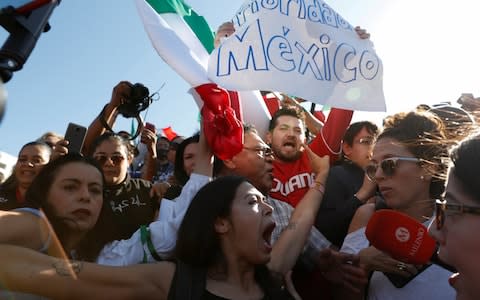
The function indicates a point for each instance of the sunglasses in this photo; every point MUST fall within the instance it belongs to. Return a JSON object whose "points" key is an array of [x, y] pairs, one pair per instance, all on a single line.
{"points": [[263, 151], [115, 159], [388, 166], [444, 209]]}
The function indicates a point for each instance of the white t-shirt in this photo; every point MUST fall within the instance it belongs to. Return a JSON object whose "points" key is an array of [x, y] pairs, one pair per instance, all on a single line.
{"points": [[163, 231], [432, 283]]}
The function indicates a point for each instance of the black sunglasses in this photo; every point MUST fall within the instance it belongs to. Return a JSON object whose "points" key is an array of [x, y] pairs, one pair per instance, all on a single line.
{"points": [[444, 209], [388, 166], [102, 159]]}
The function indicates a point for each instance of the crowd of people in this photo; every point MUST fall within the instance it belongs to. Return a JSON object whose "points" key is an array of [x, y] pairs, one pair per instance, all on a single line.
{"points": [[284, 218]]}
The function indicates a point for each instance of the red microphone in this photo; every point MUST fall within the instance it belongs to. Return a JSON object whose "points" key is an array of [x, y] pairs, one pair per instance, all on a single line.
{"points": [[401, 236]]}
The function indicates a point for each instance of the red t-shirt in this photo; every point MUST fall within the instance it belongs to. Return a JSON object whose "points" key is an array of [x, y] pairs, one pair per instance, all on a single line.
{"points": [[293, 179]]}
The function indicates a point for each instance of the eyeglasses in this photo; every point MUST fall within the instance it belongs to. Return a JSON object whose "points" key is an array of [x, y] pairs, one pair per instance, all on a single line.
{"points": [[388, 166], [263, 151], [443, 209], [368, 141], [115, 159]]}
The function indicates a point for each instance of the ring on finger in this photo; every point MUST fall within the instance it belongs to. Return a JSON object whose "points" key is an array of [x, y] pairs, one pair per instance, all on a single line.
{"points": [[401, 266]]}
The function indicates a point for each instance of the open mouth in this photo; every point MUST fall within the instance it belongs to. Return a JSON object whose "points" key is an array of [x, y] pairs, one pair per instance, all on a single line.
{"points": [[290, 144], [267, 235]]}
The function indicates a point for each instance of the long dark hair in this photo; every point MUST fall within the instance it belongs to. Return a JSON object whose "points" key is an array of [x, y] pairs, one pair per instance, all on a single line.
{"points": [[179, 173], [37, 194], [466, 163], [198, 244]]}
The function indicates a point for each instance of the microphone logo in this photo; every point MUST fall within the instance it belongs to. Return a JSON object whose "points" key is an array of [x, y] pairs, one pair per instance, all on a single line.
{"points": [[402, 234], [418, 241]]}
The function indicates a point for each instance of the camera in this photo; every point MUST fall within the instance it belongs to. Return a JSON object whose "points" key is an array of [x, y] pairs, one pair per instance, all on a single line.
{"points": [[138, 100]]}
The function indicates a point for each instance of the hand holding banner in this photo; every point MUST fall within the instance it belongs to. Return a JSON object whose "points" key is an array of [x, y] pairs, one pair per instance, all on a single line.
{"points": [[302, 48]]}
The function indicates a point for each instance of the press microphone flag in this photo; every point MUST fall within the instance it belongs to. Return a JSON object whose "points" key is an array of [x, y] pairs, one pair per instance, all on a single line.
{"points": [[401, 236]]}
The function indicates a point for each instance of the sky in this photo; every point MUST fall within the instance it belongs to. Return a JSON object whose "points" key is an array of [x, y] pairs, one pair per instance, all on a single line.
{"points": [[430, 52]]}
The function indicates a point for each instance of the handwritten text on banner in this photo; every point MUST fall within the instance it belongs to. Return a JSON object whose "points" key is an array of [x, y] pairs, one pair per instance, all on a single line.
{"points": [[302, 48]]}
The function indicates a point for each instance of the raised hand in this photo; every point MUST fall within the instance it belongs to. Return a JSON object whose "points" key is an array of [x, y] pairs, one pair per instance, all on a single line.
{"points": [[149, 138], [120, 92], [225, 30], [320, 165]]}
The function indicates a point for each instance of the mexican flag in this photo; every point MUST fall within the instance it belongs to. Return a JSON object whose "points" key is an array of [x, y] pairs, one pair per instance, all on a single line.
{"points": [[180, 36], [184, 40]]}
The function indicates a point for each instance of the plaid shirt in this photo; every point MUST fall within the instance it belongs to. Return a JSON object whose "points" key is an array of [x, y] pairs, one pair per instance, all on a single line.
{"points": [[281, 214]]}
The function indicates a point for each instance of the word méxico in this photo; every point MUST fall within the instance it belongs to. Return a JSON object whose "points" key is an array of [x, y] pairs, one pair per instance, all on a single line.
{"points": [[252, 49]]}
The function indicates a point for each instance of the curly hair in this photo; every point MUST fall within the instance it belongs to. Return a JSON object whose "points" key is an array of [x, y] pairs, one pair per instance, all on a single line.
{"points": [[423, 134]]}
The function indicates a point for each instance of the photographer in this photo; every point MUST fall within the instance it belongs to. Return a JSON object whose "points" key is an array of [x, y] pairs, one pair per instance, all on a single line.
{"points": [[109, 114], [128, 100]]}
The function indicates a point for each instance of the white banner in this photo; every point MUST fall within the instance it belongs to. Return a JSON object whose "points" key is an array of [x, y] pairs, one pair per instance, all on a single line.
{"points": [[302, 48]]}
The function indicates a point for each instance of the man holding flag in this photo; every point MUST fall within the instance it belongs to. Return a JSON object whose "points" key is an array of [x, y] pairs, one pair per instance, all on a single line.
{"points": [[184, 40]]}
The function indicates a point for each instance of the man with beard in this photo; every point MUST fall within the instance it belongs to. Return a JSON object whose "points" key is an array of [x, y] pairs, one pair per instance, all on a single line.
{"points": [[292, 172], [164, 166]]}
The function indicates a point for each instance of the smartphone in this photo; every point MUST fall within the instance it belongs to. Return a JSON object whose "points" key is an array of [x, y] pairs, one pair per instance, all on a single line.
{"points": [[75, 135], [151, 127]]}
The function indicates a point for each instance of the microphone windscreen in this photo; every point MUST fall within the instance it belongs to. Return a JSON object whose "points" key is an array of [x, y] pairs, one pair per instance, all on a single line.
{"points": [[401, 236]]}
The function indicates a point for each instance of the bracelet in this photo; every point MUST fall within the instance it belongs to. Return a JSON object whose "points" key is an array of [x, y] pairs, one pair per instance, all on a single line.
{"points": [[145, 238], [319, 187]]}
